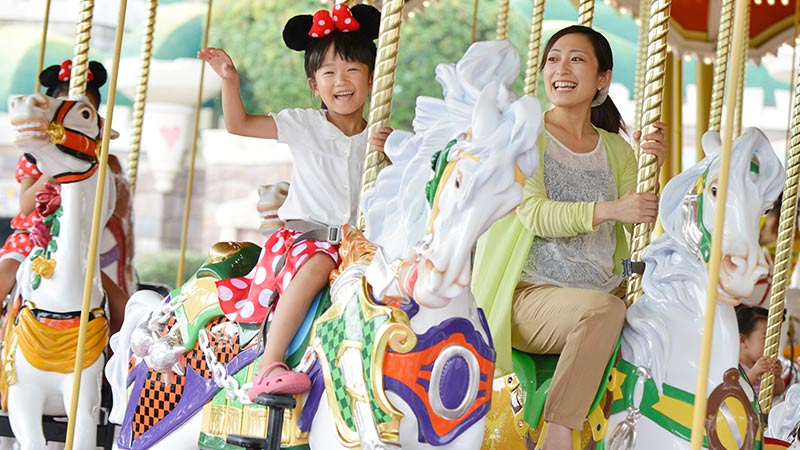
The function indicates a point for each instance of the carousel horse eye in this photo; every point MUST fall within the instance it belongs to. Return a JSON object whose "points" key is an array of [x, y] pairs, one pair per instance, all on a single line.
{"points": [[458, 181], [86, 114], [714, 191]]}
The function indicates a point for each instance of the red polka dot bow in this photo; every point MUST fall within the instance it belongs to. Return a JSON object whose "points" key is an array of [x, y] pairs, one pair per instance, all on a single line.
{"points": [[65, 72], [342, 20]]}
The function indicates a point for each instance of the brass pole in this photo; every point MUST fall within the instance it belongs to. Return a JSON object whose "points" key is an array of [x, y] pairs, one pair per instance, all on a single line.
{"points": [[653, 98], [737, 119], [474, 22], [534, 47], [666, 117], [703, 75], [80, 59], [783, 251], [701, 392], [586, 12], [141, 95], [502, 20], [720, 65], [45, 25], [641, 61], [187, 204], [94, 238], [381, 102], [676, 125]]}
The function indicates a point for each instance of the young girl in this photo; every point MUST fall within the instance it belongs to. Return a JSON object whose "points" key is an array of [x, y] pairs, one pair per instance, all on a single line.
{"points": [[550, 272], [328, 147], [752, 337]]}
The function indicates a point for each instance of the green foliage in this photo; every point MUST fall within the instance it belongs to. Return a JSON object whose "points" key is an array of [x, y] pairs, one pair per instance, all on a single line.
{"points": [[273, 77], [162, 267]]}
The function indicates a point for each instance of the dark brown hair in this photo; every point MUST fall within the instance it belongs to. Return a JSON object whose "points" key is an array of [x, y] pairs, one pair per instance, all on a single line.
{"points": [[748, 317], [605, 116]]}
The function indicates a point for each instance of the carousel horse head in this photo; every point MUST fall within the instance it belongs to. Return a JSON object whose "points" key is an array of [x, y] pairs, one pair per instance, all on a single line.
{"points": [[478, 179], [49, 128], [690, 199]]}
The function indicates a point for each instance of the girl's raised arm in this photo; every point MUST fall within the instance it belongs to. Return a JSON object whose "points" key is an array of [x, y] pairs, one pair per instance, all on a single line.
{"points": [[237, 119]]}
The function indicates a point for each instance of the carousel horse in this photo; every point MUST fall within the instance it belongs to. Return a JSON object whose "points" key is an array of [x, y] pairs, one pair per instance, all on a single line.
{"points": [[41, 336], [663, 333], [398, 352]]}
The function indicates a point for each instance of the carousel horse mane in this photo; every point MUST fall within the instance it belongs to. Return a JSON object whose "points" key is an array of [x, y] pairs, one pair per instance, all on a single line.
{"points": [[396, 212], [675, 278]]}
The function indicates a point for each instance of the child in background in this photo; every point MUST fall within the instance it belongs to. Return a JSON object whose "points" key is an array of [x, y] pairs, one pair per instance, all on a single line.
{"points": [[752, 336], [328, 147]]}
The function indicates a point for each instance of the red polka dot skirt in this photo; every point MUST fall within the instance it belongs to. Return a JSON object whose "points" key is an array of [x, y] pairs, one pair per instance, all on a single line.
{"points": [[247, 299]]}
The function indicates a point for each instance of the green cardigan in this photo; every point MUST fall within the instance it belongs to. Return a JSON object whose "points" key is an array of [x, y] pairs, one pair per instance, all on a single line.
{"points": [[503, 250]]}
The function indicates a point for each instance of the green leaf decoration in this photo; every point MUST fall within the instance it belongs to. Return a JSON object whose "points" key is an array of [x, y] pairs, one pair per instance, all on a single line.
{"points": [[36, 281], [52, 247]]}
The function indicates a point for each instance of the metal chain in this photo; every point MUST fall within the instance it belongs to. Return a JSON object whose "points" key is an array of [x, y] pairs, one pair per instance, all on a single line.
{"points": [[221, 376]]}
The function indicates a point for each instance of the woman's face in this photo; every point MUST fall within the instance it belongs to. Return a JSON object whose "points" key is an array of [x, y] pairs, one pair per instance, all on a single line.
{"points": [[570, 72]]}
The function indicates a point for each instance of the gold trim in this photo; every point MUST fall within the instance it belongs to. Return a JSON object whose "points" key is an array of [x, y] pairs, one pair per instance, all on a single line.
{"points": [[692, 35], [771, 31], [56, 133]]}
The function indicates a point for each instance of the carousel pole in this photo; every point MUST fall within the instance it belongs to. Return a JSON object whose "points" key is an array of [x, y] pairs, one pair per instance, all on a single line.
{"points": [[45, 25], [92, 259], [720, 65], [704, 74], [651, 107], [474, 22], [666, 117], [737, 120], [676, 135], [381, 102], [586, 12], [701, 392], [534, 46], [641, 61], [783, 251], [187, 205], [502, 20], [80, 59], [141, 95]]}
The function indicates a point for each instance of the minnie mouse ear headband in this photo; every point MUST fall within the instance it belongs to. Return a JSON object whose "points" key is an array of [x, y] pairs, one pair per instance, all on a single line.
{"points": [[300, 31], [58, 74]]}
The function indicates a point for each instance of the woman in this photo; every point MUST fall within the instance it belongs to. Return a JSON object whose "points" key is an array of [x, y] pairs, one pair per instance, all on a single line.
{"points": [[548, 276]]}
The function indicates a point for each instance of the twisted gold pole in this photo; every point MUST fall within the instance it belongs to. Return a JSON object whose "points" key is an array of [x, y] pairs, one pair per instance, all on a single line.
{"points": [[80, 59], [783, 251], [141, 95], [651, 106], [94, 237], [737, 120], [676, 130], [586, 12], [534, 46], [45, 25], [720, 65], [381, 102], [641, 61], [502, 20], [474, 22], [187, 204], [701, 391]]}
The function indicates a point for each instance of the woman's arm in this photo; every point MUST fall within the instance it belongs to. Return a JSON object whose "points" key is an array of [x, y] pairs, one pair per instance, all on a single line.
{"points": [[237, 119]]}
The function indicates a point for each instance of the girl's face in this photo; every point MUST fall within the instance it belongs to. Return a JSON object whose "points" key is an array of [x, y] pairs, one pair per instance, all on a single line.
{"points": [[570, 72], [343, 85], [751, 346]]}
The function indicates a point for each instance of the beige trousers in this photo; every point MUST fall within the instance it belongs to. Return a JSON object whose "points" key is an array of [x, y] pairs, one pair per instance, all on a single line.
{"points": [[583, 325]]}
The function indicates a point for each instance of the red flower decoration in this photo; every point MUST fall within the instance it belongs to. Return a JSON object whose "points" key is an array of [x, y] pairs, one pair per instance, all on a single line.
{"points": [[40, 233], [342, 20], [48, 199], [65, 72]]}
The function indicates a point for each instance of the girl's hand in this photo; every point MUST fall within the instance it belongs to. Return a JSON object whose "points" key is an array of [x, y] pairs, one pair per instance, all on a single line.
{"points": [[634, 207], [654, 143], [219, 61], [775, 367], [762, 365], [378, 140]]}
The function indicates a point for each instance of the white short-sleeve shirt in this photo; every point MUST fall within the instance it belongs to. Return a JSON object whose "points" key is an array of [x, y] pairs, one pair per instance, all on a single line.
{"points": [[326, 168]]}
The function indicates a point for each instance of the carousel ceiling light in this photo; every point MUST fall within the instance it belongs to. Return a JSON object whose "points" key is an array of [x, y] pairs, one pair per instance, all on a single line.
{"points": [[706, 60], [411, 15], [426, 3], [623, 11], [687, 57]]}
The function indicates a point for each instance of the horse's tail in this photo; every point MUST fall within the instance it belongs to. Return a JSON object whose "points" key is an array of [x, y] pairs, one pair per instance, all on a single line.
{"points": [[138, 307]]}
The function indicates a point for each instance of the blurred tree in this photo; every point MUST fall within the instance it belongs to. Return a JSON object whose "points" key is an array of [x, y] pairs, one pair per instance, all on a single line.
{"points": [[273, 77]]}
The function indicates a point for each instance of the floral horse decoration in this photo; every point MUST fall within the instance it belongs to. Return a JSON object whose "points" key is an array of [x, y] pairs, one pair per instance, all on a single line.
{"points": [[401, 357]]}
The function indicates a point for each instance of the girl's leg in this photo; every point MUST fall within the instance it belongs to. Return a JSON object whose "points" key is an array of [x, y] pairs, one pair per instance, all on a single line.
{"points": [[8, 275], [582, 325], [293, 306]]}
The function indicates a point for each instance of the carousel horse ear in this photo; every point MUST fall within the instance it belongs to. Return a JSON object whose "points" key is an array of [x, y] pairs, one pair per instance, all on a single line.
{"points": [[712, 144], [486, 116], [295, 33], [369, 18], [99, 74], [114, 133]]}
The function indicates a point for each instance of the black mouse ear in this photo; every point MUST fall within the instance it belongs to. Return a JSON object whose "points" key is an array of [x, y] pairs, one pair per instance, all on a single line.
{"points": [[99, 74], [369, 19], [295, 33], [49, 76]]}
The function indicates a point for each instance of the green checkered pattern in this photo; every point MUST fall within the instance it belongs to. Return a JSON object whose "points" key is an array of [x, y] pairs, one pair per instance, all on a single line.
{"points": [[332, 334]]}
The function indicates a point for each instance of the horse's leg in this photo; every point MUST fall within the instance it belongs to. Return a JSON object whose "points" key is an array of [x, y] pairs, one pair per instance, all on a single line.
{"points": [[25, 407], [88, 405]]}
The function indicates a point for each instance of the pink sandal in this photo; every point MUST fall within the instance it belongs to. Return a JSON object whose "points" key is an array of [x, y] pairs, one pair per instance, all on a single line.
{"points": [[284, 383]]}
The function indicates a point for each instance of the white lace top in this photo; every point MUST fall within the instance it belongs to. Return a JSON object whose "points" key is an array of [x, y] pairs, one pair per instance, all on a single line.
{"points": [[585, 260]]}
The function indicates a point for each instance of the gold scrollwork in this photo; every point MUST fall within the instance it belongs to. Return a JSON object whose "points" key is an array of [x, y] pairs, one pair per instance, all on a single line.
{"points": [[56, 133]]}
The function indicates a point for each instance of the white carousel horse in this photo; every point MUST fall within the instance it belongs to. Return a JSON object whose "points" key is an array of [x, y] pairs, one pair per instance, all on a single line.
{"points": [[663, 331], [424, 379], [38, 361]]}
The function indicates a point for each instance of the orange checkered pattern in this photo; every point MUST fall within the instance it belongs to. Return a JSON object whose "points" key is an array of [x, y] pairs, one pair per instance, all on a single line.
{"points": [[156, 401]]}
